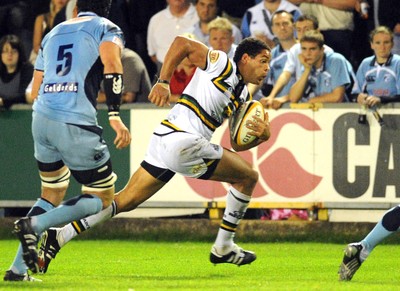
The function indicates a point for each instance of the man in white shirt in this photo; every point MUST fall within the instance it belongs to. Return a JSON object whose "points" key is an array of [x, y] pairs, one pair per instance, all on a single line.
{"points": [[165, 25], [207, 11]]}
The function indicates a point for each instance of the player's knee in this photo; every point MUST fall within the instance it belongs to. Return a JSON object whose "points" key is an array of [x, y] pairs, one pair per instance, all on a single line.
{"points": [[104, 185], [251, 178], [103, 188], [391, 219], [59, 182], [107, 199]]}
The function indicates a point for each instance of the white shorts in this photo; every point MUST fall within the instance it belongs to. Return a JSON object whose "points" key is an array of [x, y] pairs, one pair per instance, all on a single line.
{"points": [[184, 153]]}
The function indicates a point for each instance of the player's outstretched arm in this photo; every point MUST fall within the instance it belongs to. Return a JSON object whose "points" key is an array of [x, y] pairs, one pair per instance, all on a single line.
{"points": [[181, 48]]}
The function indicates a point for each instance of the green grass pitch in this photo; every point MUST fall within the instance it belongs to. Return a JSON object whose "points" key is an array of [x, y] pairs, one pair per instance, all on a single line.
{"points": [[143, 265]]}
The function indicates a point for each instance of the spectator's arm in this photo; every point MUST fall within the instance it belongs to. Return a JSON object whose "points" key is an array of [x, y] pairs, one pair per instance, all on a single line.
{"points": [[336, 96], [37, 33], [128, 97], [154, 59], [281, 82], [385, 99], [297, 90], [338, 4], [253, 88]]}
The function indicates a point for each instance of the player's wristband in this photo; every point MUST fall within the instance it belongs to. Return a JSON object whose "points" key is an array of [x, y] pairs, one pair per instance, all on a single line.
{"points": [[113, 115], [113, 90], [161, 81]]}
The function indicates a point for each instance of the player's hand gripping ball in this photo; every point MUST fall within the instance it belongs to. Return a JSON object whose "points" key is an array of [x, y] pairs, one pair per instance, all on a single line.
{"points": [[237, 123]]}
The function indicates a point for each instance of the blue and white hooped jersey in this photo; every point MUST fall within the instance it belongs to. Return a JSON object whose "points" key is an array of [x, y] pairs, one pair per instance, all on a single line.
{"points": [[211, 96], [378, 80], [278, 61], [69, 57]]}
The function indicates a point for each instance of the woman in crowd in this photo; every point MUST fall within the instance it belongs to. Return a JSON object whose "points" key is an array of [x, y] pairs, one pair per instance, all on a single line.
{"points": [[15, 72], [379, 75], [43, 24]]}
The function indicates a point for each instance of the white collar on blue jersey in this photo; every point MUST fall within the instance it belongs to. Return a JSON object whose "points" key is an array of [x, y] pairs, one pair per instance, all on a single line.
{"points": [[86, 13]]}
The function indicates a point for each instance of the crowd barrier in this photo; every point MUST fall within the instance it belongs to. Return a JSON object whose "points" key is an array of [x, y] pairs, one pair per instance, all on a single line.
{"points": [[319, 157]]}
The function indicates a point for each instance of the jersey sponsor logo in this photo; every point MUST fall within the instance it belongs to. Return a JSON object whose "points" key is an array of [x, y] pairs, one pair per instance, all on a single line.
{"points": [[214, 55], [65, 87]]}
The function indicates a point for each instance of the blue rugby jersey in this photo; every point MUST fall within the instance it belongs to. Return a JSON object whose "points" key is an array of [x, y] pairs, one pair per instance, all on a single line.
{"points": [[333, 73], [379, 80], [69, 57], [278, 60]]}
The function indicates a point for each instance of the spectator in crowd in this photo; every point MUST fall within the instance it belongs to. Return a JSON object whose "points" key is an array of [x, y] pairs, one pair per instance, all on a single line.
{"points": [[164, 26], [323, 76], [180, 78], [207, 10], [356, 253], [221, 36], [16, 18], [65, 13], [257, 19], [378, 77], [43, 24], [137, 83], [15, 72], [283, 28], [375, 13], [303, 24], [335, 18]]}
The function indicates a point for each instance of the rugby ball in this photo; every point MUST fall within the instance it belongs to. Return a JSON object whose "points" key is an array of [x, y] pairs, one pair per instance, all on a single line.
{"points": [[237, 122]]}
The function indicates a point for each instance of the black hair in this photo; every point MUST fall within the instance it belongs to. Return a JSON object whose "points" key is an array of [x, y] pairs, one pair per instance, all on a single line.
{"points": [[100, 7], [279, 12], [309, 17], [15, 43], [250, 46]]}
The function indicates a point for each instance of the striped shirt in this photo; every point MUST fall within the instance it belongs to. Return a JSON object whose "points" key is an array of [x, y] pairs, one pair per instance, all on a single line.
{"points": [[212, 95]]}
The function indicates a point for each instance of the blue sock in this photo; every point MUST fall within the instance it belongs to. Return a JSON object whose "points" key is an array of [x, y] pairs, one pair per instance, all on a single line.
{"points": [[377, 234], [72, 209], [41, 206]]}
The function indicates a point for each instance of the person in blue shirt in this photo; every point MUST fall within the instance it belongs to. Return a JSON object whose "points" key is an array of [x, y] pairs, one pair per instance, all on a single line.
{"points": [[323, 77], [283, 28], [378, 76], [256, 21], [378, 83], [73, 59]]}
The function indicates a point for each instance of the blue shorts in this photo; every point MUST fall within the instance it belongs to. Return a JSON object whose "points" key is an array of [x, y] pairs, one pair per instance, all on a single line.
{"points": [[79, 147]]}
